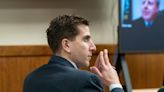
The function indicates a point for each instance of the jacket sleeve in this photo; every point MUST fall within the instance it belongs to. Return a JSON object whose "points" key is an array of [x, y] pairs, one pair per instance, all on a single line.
{"points": [[92, 84]]}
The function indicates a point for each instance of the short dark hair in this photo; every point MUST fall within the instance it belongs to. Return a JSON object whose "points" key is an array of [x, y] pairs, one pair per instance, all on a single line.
{"points": [[61, 27]]}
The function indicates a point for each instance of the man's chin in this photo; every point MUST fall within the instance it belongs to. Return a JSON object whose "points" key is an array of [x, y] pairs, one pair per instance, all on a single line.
{"points": [[146, 18], [84, 65], [87, 64]]}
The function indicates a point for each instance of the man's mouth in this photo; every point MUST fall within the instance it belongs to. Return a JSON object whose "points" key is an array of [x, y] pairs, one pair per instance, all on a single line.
{"points": [[89, 55], [145, 12]]}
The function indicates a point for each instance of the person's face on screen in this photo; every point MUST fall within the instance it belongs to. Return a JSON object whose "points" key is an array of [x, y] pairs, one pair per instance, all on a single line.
{"points": [[82, 47], [149, 9]]}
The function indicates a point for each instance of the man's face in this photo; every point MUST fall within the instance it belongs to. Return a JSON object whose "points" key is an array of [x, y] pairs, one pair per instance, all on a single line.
{"points": [[82, 47], [149, 9]]}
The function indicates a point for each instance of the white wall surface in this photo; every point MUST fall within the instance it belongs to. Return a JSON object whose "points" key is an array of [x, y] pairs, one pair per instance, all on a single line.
{"points": [[23, 22]]}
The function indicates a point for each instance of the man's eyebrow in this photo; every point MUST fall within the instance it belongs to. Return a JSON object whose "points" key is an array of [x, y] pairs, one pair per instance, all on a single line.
{"points": [[87, 37], [143, 2]]}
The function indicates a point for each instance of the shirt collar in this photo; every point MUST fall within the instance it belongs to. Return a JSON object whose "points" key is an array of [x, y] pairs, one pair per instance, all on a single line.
{"points": [[148, 24], [74, 65]]}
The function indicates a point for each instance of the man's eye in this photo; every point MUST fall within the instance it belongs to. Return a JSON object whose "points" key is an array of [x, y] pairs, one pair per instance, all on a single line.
{"points": [[86, 40], [150, 3]]}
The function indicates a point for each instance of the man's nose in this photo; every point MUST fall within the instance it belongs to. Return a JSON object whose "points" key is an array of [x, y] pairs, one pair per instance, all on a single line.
{"points": [[92, 47], [145, 5]]}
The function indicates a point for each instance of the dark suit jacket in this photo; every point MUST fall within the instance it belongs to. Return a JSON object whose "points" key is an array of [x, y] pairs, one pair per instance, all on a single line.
{"points": [[59, 75], [161, 89], [157, 24], [145, 39]]}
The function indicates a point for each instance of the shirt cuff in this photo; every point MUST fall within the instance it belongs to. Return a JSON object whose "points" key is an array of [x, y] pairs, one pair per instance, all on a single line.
{"points": [[112, 86]]}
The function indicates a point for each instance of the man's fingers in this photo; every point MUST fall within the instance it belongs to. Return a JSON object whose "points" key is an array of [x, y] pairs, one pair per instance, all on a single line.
{"points": [[97, 60], [101, 62], [106, 58], [96, 71]]}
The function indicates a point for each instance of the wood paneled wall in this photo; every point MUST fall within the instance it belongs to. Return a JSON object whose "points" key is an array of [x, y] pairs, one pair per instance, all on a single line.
{"points": [[146, 70], [16, 62]]}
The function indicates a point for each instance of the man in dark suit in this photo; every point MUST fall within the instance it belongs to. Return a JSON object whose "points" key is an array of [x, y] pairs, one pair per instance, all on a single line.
{"points": [[151, 19], [148, 30], [70, 40]]}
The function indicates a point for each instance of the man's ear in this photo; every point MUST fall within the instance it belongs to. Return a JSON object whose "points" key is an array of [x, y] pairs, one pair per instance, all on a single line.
{"points": [[66, 45]]}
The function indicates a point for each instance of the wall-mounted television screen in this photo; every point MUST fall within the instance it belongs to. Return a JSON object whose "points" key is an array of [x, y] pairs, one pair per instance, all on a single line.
{"points": [[141, 26]]}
